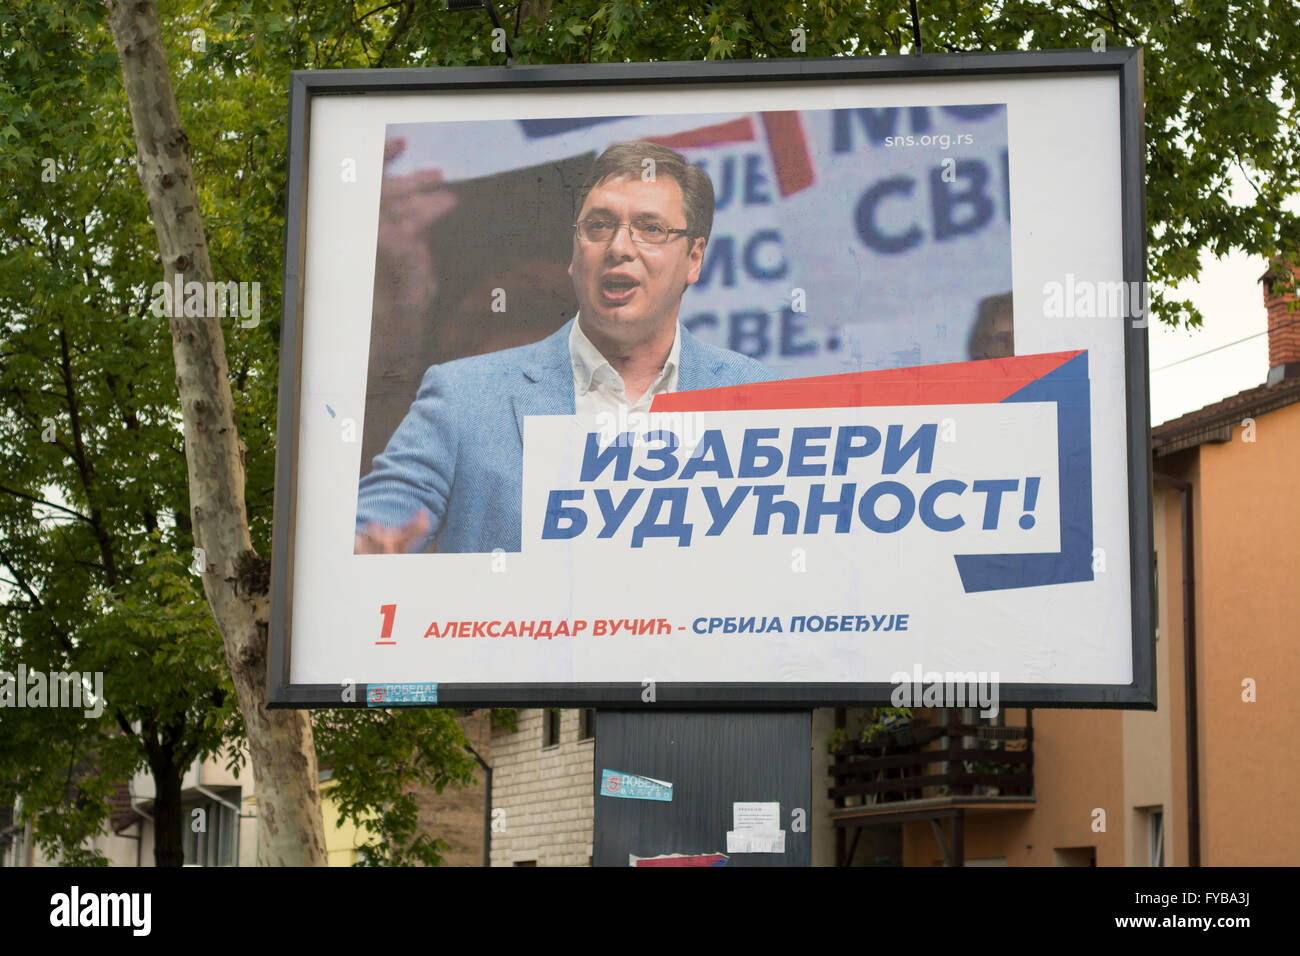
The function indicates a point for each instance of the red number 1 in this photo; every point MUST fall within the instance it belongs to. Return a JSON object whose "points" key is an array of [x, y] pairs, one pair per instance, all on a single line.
{"points": [[389, 611]]}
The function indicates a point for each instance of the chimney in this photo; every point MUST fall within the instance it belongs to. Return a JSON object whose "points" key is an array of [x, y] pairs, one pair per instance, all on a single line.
{"points": [[1283, 326]]}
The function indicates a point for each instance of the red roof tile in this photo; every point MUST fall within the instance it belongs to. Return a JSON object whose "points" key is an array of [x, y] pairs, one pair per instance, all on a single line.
{"points": [[1214, 423]]}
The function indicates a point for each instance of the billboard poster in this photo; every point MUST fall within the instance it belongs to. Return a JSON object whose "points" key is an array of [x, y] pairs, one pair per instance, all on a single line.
{"points": [[778, 390]]}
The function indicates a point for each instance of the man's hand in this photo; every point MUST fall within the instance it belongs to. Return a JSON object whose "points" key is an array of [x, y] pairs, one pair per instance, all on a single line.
{"points": [[406, 275], [376, 538]]}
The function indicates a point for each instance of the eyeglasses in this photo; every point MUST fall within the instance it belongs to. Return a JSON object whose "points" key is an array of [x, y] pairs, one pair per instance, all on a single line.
{"points": [[647, 231]]}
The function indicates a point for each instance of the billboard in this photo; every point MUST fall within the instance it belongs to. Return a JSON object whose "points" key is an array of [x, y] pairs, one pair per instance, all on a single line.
{"points": [[715, 384]]}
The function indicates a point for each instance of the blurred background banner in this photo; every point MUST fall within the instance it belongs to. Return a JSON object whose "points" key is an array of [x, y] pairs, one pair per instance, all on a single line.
{"points": [[843, 240]]}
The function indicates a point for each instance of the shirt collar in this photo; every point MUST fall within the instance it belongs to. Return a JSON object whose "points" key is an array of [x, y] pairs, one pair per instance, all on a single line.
{"points": [[588, 361]]}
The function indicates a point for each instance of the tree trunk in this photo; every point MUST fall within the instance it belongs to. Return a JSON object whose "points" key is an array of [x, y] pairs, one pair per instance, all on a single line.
{"points": [[290, 830], [168, 848], [528, 9]]}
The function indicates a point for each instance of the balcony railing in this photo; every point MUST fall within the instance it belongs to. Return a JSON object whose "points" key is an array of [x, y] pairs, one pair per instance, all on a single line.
{"points": [[950, 760]]}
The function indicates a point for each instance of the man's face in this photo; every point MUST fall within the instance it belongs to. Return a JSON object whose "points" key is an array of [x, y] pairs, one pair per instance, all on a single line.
{"points": [[994, 335], [628, 290]]}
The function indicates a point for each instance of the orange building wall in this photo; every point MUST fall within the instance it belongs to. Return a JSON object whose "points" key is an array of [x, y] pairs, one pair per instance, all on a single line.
{"points": [[1169, 647], [1248, 589], [1078, 761], [1246, 503]]}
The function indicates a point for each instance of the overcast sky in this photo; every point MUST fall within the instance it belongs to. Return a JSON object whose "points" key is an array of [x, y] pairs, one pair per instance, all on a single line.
{"points": [[1209, 367], [1231, 297]]}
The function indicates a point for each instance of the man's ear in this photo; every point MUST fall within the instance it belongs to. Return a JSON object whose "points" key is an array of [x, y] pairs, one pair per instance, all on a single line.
{"points": [[695, 259]]}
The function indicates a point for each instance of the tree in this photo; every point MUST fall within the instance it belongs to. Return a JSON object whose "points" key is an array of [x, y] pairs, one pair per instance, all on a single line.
{"points": [[235, 577], [399, 751], [91, 486], [76, 278]]}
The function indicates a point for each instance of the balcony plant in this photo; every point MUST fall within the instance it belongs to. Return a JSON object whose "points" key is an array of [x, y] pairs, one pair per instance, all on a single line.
{"points": [[888, 725]]}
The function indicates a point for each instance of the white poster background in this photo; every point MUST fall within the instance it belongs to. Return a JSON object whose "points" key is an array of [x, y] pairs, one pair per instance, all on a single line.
{"points": [[1064, 154]]}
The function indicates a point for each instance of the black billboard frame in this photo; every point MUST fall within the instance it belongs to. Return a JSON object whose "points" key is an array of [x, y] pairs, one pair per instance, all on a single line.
{"points": [[1123, 63]]}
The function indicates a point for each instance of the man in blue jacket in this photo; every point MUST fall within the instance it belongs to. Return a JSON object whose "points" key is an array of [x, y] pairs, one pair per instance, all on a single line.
{"points": [[453, 469]]}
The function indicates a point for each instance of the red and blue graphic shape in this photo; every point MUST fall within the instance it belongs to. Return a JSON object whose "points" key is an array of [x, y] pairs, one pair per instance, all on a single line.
{"points": [[683, 859], [782, 131], [1059, 378]]}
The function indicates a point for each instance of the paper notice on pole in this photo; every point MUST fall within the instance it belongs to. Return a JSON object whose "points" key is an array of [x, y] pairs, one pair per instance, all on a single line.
{"points": [[756, 828], [755, 842], [756, 816]]}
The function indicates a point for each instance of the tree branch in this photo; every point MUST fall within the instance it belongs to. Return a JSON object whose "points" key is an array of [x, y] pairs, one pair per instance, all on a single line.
{"points": [[399, 29], [41, 501], [21, 581], [84, 466]]}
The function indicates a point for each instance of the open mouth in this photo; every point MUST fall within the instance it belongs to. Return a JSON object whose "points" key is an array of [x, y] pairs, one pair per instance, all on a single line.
{"points": [[617, 289]]}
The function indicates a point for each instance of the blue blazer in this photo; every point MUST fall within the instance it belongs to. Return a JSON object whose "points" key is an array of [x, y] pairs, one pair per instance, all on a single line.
{"points": [[458, 453]]}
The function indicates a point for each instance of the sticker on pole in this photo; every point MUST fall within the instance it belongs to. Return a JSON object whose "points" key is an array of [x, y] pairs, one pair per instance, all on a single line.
{"points": [[401, 695], [629, 785]]}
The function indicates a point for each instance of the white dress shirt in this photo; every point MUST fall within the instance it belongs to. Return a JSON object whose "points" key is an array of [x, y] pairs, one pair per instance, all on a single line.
{"points": [[598, 388]]}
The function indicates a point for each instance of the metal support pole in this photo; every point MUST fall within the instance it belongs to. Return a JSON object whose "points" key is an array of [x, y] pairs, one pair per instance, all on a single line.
{"points": [[487, 806], [714, 760], [1189, 669]]}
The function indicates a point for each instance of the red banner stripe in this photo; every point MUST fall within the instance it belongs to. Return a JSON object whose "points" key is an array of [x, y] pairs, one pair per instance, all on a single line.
{"points": [[711, 859], [958, 383], [789, 146], [733, 131]]}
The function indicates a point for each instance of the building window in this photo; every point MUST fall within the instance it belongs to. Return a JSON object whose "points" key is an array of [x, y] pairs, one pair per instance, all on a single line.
{"points": [[550, 727], [525, 862], [587, 723], [1074, 856], [1156, 837], [212, 832]]}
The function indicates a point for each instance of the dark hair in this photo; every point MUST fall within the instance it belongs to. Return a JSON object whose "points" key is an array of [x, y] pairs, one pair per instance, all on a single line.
{"points": [[626, 159]]}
